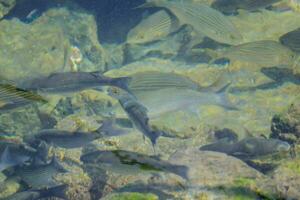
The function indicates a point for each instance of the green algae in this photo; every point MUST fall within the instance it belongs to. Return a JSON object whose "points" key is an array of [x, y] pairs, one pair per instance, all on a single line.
{"points": [[294, 165], [134, 196]]}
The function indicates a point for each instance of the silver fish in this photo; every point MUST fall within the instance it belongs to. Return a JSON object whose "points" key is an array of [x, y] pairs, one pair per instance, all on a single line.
{"points": [[72, 82], [137, 113], [203, 18], [249, 148], [168, 100]]}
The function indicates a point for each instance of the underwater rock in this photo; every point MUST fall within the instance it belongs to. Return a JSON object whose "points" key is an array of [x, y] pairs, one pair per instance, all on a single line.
{"points": [[287, 124], [20, 43], [6, 6], [219, 168], [51, 45]]}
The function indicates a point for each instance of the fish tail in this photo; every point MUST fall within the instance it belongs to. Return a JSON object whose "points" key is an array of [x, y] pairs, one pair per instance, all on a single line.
{"points": [[224, 100], [150, 4], [181, 171], [57, 191]]}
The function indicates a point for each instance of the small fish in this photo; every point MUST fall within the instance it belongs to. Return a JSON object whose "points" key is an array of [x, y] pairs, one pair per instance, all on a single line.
{"points": [[41, 176], [265, 53], [14, 154], [13, 97], [151, 80], [249, 148], [119, 158], [153, 28], [67, 139], [204, 19], [137, 113], [291, 40], [57, 191], [232, 6], [73, 82]]}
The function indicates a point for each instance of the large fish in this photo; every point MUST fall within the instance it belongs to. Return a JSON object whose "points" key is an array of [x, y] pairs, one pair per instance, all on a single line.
{"points": [[57, 191], [72, 82], [265, 53], [41, 176], [137, 113], [203, 18], [168, 100], [153, 28], [120, 158], [292, 40], [249, 148], [231, 6], [13, 97]]}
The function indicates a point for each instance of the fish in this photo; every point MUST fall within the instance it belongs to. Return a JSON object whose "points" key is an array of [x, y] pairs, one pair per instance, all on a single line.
{"points": [[151, 81], [168, 100], [204, 19], [72, 82], [249, 148], [137, 113], [232, 6], [41, 176], [264, 53], [67, 139], [14, 154], [12, 97], [77, 139], [291, 40], [153, 28], [122, 158], [56, 191]]}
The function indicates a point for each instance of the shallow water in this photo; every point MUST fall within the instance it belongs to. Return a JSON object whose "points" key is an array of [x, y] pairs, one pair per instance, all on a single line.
{"points": [[94, 116]]}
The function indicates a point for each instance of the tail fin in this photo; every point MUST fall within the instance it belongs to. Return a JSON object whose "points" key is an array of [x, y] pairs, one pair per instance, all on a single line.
{"points": [[153, 137], [180, 170], [56, 191], [57, 165], [224, 100]]}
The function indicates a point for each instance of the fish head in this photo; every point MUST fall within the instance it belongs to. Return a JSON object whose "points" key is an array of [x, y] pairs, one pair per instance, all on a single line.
{"points": [[136, 36]]}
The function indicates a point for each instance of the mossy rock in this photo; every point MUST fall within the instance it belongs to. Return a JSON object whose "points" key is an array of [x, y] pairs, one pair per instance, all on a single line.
{"points": [[134, 196]]}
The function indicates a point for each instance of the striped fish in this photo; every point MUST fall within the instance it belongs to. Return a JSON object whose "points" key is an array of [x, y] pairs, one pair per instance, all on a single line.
{"points": [[152, 28], [12, 97], [265, 53], [291, 40], [41, 176], [203, 18], [151, 80]]}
